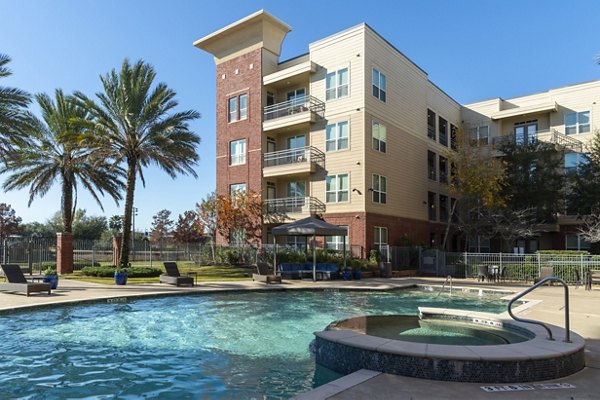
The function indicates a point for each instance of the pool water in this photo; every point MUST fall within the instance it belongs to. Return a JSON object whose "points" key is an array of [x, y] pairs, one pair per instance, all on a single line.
{"points": [[227, 345]]}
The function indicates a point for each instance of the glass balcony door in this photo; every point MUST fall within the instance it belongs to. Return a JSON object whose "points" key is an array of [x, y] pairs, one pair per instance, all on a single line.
{"points": [[526, 132]]}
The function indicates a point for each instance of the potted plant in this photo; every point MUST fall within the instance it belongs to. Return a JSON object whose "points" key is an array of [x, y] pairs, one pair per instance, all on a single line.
{"points": [[51, 277], [120, 275]]}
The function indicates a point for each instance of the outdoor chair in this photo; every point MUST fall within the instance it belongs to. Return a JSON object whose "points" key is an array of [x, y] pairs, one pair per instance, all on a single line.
{"points": [[173, 277], [264, 274], [483, 273], [16, 281]]}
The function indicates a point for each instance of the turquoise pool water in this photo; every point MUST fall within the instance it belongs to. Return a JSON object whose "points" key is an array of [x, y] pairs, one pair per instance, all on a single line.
{"points": [[227, 345]]}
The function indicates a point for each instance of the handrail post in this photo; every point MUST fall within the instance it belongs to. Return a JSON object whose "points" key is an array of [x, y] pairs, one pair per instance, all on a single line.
{"points": [[529, 321]]}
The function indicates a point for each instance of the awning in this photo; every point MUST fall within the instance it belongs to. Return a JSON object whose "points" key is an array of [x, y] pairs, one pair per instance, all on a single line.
{"points": [[515, 112]]}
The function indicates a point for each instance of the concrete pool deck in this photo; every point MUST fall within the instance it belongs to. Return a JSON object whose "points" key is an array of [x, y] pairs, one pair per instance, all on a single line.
{"points": [[585, 320]]}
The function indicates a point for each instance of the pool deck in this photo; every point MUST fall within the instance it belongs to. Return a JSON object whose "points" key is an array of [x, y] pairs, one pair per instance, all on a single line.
{"points": [[585, 320]]}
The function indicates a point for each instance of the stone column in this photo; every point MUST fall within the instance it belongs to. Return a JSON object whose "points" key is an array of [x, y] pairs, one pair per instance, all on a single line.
{"points": [[64, 253], [117, 245]]}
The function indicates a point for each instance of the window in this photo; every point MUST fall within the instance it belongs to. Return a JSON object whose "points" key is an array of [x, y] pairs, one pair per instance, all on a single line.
{"points": [[237, 237], [379, 189], [297, 242], [237, 152], [443, 208], [431, 165], [296, 189], [480, 136], [381, 236], [443, 130], [336, 136], [337, 242], [574, 161], [430, 124], [232, 109], [526, 132], [379, 85], [237, 188], [453, 137], [576, 242], [443, 164], [336, 188], [431, 206], [379, 137], [577, 122], [270, 98], [243, 106], [336, 84]]}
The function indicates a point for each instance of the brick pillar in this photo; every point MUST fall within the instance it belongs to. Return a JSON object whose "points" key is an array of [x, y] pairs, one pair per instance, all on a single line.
{"points": [[64, 253], [117, 245]]}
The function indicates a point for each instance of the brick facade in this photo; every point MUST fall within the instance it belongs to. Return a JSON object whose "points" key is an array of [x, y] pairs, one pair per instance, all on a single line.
{"points": [[241, 75]]}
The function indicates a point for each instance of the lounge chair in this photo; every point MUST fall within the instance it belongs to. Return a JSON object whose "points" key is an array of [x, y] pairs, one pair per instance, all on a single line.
{"points": [[264, 274], [18, 283], [173, 277], [483, 273]]}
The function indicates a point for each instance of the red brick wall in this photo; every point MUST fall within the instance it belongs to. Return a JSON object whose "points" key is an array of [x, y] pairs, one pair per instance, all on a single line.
{"points": [[248, 79]]}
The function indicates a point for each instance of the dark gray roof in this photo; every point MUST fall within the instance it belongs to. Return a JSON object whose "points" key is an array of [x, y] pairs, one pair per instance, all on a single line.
{"points": [[308, 227]]}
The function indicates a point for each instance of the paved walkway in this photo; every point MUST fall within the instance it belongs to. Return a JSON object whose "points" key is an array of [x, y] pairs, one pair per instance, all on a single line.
{"points": [[585, 320]]}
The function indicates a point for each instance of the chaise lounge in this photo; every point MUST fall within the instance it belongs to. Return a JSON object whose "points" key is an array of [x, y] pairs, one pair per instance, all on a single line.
{"points": [[173, 277], [16, 281], [264, 274]]}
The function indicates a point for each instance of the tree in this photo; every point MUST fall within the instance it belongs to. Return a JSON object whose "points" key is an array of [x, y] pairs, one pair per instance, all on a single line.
{"points": [[161, 225], [476, 181], [136, 126], [186, 230], [9, 222], [240, 214], [534, 178], [13, 116], [583, 196], [115, 224], [511, 225], [206, 211], [54, 152]]}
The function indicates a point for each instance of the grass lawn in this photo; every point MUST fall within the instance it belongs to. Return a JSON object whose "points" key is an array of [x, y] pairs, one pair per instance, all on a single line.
{"points": [[205, 273]]}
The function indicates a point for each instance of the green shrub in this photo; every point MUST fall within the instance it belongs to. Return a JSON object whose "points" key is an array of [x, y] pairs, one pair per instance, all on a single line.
{"points": [[133, 272], [564, 252]]}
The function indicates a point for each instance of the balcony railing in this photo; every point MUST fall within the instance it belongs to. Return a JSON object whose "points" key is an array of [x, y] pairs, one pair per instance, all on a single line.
{"points": [[549, 136], [295, 106], [307, 154], [294, 205]]}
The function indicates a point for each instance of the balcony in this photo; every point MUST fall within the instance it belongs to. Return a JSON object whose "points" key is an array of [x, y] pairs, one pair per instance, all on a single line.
{"points": [[301, 160], [294, 205], [548, 136], [293, 112]]}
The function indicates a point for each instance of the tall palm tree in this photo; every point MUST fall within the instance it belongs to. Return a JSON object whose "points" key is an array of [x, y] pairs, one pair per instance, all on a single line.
{"points": [[137, 126], [54, 152], [13, 103]]}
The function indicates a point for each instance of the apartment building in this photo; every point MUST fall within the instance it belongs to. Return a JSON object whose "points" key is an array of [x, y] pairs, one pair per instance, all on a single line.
{"points": [[355, 132]]}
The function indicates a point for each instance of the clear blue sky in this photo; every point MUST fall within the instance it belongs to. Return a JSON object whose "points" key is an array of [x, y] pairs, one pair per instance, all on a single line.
{"points": [[473, 50]]}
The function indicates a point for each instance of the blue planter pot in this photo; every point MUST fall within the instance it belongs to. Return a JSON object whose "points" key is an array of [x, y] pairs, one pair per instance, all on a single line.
{"points": [[120, 278], [357, 275], [52, 280]]}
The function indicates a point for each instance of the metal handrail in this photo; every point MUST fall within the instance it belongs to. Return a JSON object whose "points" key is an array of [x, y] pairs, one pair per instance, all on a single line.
{"points": [[530, 321], [293, 156], [448, 278], [295, 106], [308, 204]]}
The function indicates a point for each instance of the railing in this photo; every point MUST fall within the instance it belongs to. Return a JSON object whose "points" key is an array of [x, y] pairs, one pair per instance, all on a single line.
{"points": [[550, 136], [295, 106], [307, 154], [448, 279], [286, 205], [530, 321]]}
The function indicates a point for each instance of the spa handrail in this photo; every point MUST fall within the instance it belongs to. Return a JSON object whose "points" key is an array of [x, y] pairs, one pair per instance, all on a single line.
{"points": [[529, 321], [449, 277]]}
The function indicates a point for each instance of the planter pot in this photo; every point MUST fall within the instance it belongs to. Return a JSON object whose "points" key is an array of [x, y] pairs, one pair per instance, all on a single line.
{"points": [[52, 280], [346, 275], [120, 278], [357, 275]]}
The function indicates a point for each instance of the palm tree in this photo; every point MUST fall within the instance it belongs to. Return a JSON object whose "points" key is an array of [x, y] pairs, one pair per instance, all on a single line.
{"points": [[54, 152], [12, 111], [137, 126]]}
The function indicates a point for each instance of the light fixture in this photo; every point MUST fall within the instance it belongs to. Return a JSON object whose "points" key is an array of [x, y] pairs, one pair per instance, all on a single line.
{"points": [[357, 191], [371, 190]]}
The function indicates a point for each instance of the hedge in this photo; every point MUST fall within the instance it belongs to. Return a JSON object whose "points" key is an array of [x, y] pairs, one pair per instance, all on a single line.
{"points": [[133, 272]]}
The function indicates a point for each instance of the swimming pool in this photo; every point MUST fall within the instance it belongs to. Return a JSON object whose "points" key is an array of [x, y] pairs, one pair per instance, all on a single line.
{"points": [[226, 345]]}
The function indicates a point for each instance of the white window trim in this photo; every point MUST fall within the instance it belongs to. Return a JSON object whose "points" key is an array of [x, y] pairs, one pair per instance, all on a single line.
{"points": [[373, 69], [338, 240], [439, 134], [373, 123], [240, 107], [379, 191], [337, 85], [478, 137], [237, 159], [380, 229], [232, 116], [578, 124], [337, 191], [237, 188], [435, 124], [338, 137]]}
